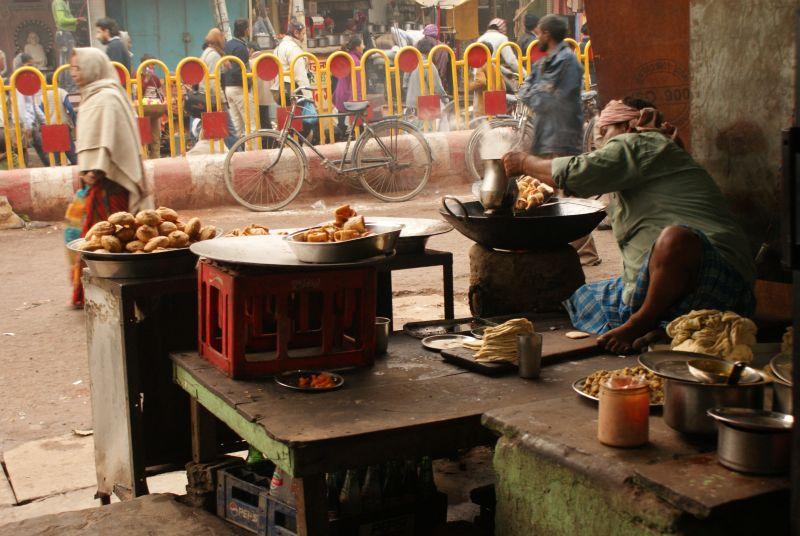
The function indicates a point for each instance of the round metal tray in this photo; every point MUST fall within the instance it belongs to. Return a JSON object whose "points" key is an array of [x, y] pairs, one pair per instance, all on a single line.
{"points": [[268, 251], [415, 233], [577, 385], [673, 365], [437, 343], [290, 380]]}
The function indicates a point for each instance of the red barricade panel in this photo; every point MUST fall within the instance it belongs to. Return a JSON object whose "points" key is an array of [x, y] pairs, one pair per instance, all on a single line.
{"points": [[494, 102], [215, 125], [429, 107], [55, 138], [283, 115], [144, 130]]}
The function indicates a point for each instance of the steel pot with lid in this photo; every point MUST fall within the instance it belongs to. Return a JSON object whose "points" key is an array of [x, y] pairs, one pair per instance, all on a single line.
{"points": [[687, 399], [753, 441]]}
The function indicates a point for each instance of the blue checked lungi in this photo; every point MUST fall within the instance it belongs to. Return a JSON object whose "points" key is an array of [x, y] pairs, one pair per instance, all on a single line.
{"points": [[598, 307]]}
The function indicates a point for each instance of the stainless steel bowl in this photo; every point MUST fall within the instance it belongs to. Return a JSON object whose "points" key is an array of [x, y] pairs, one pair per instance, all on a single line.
{"points": [[686, 403], [753, 441], [138, 265], [381, 243]]}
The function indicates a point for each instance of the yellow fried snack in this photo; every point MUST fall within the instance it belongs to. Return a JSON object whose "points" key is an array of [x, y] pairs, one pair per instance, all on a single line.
{"points": [[145, 233], [342, 214], [356, 223], [111, 243], [155, 243], [167, 214], [346, 234], [148, 217], [591, 386], [317, 236], [121, 218]]}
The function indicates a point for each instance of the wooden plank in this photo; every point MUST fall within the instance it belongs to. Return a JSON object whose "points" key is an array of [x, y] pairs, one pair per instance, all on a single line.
{"points": [[204, 433], [312, 505], [395, 394], [699, 484], [254, 434]]}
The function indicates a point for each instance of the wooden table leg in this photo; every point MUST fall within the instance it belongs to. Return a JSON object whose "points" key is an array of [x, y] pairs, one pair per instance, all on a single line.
{"points": [[204, 433], [447, 275], [312, 505], [384, 305]]}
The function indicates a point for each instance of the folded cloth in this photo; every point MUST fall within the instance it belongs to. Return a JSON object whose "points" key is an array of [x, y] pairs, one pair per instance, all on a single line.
{"points": [[598, 307]]}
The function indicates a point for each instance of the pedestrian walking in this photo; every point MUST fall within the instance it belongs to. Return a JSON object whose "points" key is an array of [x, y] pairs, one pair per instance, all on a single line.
{"points": [[530, 35], [233, 77], [290, 47], [344, 89], [154, 106], [116, 49], [108, 149], [66, 24]]}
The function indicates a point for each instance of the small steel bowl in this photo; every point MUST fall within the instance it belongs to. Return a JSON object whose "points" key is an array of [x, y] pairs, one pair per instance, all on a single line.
{"points": [[382, 242]]}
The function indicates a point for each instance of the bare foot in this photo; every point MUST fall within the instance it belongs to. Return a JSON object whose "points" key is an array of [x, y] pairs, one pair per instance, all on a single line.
{"points": [[621, 340]]}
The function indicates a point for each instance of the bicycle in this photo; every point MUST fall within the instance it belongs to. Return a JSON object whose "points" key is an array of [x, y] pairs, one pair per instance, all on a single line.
{"points": [[391, 157], [508, 132], [519, 131]]}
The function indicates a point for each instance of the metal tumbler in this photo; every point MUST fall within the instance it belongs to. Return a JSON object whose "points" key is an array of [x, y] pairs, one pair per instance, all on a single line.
{"points": [[529, 351], [381, 335]]}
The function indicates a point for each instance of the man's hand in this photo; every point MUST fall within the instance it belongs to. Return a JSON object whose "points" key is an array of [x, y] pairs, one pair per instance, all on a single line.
{"points": [[514, 162]]}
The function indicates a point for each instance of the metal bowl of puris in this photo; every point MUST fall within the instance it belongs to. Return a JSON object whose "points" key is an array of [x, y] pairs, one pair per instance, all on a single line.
{"points": [[345, 239]]}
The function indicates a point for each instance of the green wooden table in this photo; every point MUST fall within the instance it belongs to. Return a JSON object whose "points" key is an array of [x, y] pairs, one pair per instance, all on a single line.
{"points": [[409, 404]]}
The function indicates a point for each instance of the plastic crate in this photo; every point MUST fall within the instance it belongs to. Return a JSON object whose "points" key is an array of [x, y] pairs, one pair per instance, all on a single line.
{"points": [[243, 499], [257, 323]]}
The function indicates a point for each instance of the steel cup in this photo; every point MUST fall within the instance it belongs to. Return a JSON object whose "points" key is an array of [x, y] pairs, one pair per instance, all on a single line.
{"points": [[381, 335], [529, 351]]}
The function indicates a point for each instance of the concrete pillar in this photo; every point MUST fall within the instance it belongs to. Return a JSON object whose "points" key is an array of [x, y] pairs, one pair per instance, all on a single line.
{"points": [[742, 64]]}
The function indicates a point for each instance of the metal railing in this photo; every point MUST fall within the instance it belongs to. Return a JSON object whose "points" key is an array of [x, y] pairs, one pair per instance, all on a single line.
{"points": [[191, 71]]}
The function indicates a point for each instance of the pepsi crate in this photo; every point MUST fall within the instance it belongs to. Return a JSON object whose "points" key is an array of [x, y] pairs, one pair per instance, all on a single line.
{"points": [[243, 500]]}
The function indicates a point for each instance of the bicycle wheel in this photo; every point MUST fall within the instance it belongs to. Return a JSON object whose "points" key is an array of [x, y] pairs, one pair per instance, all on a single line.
{"points": [[397, 159], [493, 139], [264, 177]]}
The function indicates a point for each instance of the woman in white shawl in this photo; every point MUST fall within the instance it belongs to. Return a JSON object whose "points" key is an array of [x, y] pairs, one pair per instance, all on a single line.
{"points": [[107, 143]]}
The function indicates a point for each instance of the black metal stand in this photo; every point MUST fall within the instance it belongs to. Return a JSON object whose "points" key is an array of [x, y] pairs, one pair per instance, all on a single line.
{"points": [[410, 261]]}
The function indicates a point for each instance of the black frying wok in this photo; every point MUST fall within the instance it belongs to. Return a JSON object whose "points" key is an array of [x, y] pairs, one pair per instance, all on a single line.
{"points": [[550, 225]]}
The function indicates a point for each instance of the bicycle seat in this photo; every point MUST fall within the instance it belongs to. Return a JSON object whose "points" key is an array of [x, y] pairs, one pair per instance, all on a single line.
{"points": [[356, 106], [588, 95]]}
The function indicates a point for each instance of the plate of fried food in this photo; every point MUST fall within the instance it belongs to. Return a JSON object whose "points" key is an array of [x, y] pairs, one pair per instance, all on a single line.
{"points": [[345, 239], [589, 387], [310, 381], [532, 194], [149, 243]]}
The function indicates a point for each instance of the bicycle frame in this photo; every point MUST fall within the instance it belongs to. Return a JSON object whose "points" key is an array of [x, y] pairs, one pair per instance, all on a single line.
{"points": [[337, 166]]}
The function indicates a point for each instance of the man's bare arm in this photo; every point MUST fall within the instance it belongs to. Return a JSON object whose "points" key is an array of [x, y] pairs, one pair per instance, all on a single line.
{"points": [[520, 163]]}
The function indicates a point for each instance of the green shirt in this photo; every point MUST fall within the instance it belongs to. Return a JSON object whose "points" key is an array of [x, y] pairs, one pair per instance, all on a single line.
{"points": [[655, 184], [63, 16]]}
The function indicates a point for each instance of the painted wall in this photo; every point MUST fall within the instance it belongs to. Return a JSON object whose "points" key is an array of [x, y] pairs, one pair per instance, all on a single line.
{"points": [[169, 29], [742, 64]]}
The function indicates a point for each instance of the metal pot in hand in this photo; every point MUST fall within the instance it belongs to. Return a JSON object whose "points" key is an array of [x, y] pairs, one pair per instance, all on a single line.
{"points": [[496, 191]]}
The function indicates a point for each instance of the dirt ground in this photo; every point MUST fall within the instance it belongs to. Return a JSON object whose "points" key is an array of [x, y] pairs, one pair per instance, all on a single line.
{"points": [[44, 382]]}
